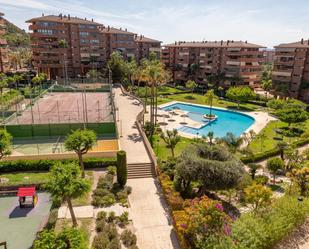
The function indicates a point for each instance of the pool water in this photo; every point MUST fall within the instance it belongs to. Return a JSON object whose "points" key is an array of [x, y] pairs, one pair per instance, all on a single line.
{"points": [[227, 121]]}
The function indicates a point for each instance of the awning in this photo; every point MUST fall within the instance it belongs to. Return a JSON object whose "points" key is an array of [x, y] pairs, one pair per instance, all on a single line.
{"points": [[23, 192]]}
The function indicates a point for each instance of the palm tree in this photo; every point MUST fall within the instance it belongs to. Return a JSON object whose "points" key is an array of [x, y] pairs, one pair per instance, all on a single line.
{"points": [[210, 96], [64, 45], [210, 136], [231, 141], [171, 138]]}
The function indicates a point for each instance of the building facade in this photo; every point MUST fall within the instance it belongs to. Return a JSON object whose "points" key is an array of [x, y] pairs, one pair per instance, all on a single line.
{"points": [[237, 62], [65, 46], [88, 45], [145, 46], [290, 74], [4, 59]]}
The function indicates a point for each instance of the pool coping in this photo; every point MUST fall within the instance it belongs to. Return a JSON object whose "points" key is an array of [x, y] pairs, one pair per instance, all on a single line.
{"points": [[257, 125]]}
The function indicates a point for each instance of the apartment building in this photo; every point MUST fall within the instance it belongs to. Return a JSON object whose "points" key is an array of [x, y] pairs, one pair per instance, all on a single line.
{"points": [[120, 40], [4, 60], [83, 49], [145, 46], [269, 55], [291, 70], [239, 62]]}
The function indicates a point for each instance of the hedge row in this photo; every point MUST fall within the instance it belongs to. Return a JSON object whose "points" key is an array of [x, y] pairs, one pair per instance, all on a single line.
{"points": [[44, 165], [270, 153]]}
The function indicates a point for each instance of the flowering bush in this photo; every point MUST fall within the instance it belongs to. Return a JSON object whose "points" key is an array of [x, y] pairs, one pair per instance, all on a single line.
{"points": [[201, 219]]}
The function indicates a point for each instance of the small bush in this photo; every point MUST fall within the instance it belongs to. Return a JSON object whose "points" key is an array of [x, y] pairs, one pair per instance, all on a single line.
{"points": [[261, 179], [111, 217], [101, 215], [112, 170], [123, 219], [100, 225], [128, 190], [128, 238]]}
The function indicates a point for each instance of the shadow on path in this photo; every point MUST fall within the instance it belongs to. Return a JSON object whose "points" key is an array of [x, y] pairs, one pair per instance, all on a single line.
{"points": [[19, 212]]}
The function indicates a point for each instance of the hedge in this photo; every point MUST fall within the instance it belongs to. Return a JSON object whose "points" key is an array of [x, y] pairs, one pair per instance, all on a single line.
{"points": [[270, 153], [44, 165]]}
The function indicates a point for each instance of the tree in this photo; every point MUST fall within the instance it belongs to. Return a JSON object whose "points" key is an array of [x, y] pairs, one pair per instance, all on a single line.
{"points": [[65, 183], [292, 115], [5, 143], [267, 85], [253, 168], [131, 71], [231, 141], [3, 82], [274, 165], [210, 136], [300, 176], [282, 146], [213, 167], [190, 84], [122, 168], [63, 44], [171, 138], [80, 141], [221, 89], [118, 67], [258, 196], [210, 96], [240, 94]]}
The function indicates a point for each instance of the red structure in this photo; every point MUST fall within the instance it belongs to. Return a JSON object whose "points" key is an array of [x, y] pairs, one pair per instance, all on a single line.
{"points": [[27, 197]]}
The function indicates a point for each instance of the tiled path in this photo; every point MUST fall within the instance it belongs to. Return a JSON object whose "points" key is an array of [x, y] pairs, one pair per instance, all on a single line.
{"points": [[147, 207]]}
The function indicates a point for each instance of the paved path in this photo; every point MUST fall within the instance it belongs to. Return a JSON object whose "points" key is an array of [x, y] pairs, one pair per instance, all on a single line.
{"points": [[130, 139], [147, 207]]}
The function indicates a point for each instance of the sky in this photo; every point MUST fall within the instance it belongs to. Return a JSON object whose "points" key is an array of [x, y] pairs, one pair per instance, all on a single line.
{"points": [[264, 22]]}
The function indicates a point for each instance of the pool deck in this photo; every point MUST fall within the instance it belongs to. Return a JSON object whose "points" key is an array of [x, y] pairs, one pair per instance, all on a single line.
{"points": [[261, 119]]}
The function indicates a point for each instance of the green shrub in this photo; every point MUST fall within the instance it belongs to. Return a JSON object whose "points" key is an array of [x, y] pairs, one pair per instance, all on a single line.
{"points": [[259, 232], [102, 241], [100, 225], [101, 215], [104, 201], [45, 165], [122, 173], [101, 192], [111, 217], [128, 238], [112, 170], [261, 179], [123, 219]]}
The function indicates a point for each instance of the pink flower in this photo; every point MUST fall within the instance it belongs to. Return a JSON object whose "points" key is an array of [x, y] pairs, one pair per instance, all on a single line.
{"points": [[227, 229], [219, 206], [183, 225]]}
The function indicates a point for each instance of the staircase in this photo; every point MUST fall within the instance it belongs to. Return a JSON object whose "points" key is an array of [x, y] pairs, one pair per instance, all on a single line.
{"points": [[141, 170]]}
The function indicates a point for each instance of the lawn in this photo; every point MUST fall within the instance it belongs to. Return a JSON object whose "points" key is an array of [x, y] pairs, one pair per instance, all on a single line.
{"points": [[163, 152], [268, 138], [25, 178], [85, 199]]}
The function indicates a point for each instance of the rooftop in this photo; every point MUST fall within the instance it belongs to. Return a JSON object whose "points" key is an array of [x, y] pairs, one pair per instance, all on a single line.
{"points": [[141, 38], [301, 44], [212, 44], [113, 30], [62, 19]]}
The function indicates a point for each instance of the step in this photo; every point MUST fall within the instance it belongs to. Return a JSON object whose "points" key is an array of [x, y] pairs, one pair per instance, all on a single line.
{"points": [[135, 176]]}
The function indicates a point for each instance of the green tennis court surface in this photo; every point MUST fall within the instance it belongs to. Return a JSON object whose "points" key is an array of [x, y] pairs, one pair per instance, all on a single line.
{"points": [[18, 227]]}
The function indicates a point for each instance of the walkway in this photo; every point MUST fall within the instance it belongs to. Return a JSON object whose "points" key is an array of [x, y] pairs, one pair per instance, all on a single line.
{"points": [[147, 207], [130, 139]]}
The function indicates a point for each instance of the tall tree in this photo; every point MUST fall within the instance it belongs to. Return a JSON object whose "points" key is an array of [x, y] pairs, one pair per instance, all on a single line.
{"points": [[65, 183], [63, 44], [267, 86], [292, 115], [190, 84], [171, 138], [301, 177], [231, 141], [80, 141], [210, 96], [5, 143], [118, 67]]}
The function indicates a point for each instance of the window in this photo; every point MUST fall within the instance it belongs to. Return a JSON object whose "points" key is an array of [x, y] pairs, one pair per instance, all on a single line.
{"points": [[46, 24], [94, 41], [46, 31], [83, 33]]}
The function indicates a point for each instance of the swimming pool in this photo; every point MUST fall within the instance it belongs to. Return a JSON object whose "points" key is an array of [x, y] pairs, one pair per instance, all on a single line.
{"points": [[227, 121]]}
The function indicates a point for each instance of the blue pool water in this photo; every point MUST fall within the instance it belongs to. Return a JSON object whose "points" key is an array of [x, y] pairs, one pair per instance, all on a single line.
{"points": [[228, 121]]}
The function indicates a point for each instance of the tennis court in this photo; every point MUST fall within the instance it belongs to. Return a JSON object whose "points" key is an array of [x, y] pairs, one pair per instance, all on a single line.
{"points": [[59, 108]]}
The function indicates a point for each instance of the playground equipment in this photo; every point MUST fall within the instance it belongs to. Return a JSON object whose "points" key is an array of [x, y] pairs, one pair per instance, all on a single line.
{"points": [[27, 197]]}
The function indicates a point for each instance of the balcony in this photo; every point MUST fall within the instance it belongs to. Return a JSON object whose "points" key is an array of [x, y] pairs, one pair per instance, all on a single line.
{"points": [[282, 73]]}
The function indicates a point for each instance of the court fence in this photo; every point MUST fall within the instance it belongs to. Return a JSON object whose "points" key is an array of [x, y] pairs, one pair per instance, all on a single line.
{"points": [[107, 129]]}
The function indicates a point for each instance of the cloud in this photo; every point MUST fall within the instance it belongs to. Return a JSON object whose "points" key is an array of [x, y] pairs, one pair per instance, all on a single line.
{"points": [[31, 4]]}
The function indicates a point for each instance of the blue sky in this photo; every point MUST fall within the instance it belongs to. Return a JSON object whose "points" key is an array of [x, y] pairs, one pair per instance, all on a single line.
{"points": [[265, 22]]}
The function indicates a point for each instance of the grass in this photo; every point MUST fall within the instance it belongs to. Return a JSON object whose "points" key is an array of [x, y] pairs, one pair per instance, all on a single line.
{"points": [[268, 138], [200, 99], [85, 199], [163, 152], [25, 178]]}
